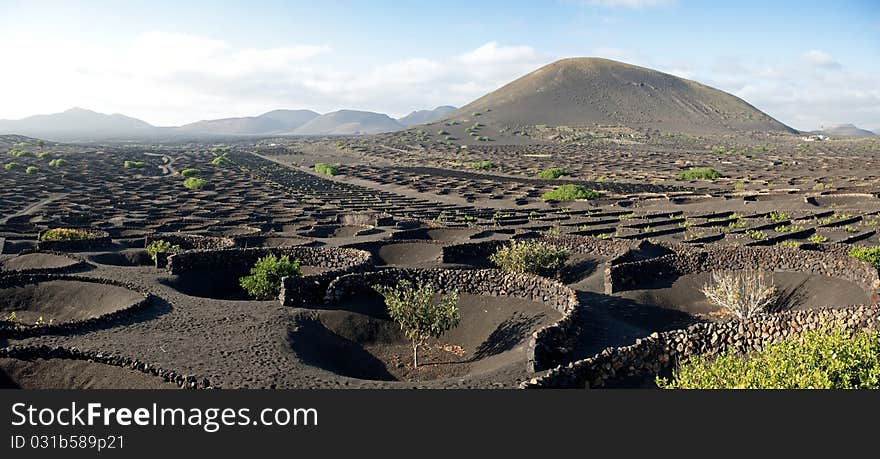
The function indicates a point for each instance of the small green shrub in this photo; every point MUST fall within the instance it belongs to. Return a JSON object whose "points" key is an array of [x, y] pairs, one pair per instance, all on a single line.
{"points": [[156, 247], [264, 281], [869, 254], [817, 239], [778, 216], [134, 164], [221, 160], [195, 183], [419, 316], [32, 169], [532, 257], [190, 172], [481, 165], [699, 173], [570, 192], [817, 360], [67, 234], [552, 173], [56, 162], [326, 169], [756, 235], [10, 166]]}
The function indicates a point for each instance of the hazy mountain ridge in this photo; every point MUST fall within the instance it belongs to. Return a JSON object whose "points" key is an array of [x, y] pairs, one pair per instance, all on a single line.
{"points": [[349, 122], [846, 130], [426, 116]]}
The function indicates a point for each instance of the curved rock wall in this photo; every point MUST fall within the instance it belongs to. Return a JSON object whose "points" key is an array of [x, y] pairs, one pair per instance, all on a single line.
{"points": [[101, 241], [630, 275], [241, 260], [660, 352], [18, 330], [46, 352], [547, 346]]}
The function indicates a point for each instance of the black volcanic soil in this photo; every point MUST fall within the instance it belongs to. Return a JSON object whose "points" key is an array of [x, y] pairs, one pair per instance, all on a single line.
{"points": [[201, 324], [36, 261], [797, 291], [73, 374], [60, 301], [360, 340]]}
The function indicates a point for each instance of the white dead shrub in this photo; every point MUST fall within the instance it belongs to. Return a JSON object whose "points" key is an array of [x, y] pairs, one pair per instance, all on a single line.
{"points": [[741, 293]]}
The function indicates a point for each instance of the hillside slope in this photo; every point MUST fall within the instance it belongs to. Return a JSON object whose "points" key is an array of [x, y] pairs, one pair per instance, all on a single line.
{"points": [[594, 91]]}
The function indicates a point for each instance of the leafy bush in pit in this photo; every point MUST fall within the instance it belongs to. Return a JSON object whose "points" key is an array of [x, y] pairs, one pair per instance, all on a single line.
{"points": [[221, 160], [134, 164], [67, 234], [264, 282], [190, 172], [552, 173], [481, 165], [869, 254], [32, 169], [699, 173], [532, 257], [326, 169], [156, 247], [817, 360], [195, 183], [10, 166], [569, 192], [419, 316], [56, 162]]}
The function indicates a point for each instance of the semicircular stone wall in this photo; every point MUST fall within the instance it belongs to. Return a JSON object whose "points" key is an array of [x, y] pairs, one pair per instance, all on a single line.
{"points": [[547, 347], [627, 276], [659, 353]]}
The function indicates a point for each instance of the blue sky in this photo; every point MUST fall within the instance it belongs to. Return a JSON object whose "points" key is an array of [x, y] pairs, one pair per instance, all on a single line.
{"points": [[806, 63]]}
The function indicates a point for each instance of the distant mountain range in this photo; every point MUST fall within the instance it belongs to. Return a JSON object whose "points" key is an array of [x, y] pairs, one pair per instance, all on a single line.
{"points": [[426, 116], [845, 130], [78, 124]]}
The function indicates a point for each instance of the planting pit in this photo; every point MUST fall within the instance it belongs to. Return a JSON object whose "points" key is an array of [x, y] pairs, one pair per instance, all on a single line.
{"points": [[37, 261], [797, 291], [358, 339], [61, 300], [73, 374]]}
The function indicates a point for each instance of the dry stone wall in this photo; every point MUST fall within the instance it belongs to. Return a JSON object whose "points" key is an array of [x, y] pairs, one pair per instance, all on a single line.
{"points": [[659, 353], [547, 347]]}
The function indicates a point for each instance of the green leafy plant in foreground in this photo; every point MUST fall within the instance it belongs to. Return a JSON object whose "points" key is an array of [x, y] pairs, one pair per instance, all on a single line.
{"points": [[832, 359], [418, 314], [264, 281], [156, 247], [533, 257], [32, 169], [869, 254], [569, 192]]}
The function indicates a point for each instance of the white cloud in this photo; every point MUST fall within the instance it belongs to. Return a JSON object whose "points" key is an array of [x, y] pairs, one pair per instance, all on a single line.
{"points": [[817, 58], [170, 78]]}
